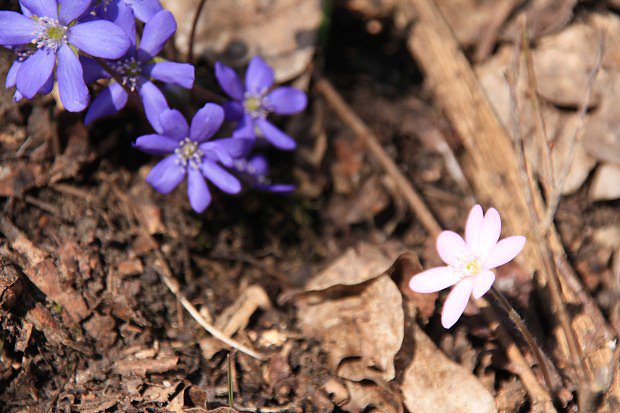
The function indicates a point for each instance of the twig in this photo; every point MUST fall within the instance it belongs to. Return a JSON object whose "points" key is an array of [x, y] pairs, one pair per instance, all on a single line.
{"points": [[175, 288], [364, 133], [554, 199], [192, 36]]}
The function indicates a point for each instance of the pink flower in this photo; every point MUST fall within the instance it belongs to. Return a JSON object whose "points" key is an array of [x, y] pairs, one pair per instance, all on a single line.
{"points": [[469, 260]]}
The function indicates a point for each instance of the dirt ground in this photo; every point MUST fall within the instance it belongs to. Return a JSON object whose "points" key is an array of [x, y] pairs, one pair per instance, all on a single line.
{"points": [[315, 282]]}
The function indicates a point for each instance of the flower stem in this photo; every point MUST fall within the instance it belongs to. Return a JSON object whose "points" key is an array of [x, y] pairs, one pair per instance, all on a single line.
{"points": [[501, 301]]}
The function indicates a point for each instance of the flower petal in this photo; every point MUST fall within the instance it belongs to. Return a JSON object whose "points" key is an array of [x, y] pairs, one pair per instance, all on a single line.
{"points": [[166, 175], [456, 302], [473, 227], [72, 9], [41, 8], [174, 125], [489, 233], [99, 38], [157, 30], [451, 247], [257, 165], [154, 104], [120, 14], [15, 29], [108, 102], [274, 135], [144, 9], [483, 283], [206, 122], [287, 100], [246, 128], [435, 279], [276, 188], [197, 190], [233, 111], [220, 177], [229, 81], [235, 147], [92, 70], [155, 144], [259, 77], [11, 76], [504, 251], [71, 87], [34, 72], [48, 85], [181, 74]]}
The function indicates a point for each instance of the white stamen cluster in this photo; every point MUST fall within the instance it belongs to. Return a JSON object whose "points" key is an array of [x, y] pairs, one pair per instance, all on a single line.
{"points": [[51, 35], [256, 105], [468, 266], [188, 152], [129, 70], [24, 52]]}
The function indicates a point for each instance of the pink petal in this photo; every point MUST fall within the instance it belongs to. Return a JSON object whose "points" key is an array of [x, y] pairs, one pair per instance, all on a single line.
{"points": [[504, 251], [451, 247], [456, 302], [434, 279], [473, 227], [489, 233], [483, 283]]}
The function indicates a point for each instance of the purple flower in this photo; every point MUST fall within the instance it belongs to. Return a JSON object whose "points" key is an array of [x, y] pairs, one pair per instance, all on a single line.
{"points": [[255, 171], [253, 102], [49, 28], [135, 69], [469, 260], [24, 53], [191, 154], [143, 10]]}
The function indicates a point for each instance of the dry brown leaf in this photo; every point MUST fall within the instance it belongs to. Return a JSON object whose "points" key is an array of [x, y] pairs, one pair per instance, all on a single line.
{"points": [[365, 395], [434, 383], [284, 32], [606, 183]]}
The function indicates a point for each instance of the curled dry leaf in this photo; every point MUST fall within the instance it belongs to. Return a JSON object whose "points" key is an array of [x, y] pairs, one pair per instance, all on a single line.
{"points": [[434, 383], [284, 32]]}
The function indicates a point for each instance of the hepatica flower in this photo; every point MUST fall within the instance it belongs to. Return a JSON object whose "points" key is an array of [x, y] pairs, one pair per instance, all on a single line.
{"points": [[143, 10], [135, 70], [255, 172], [253, 102], [49, 28], [190, 153], [469, 260]]}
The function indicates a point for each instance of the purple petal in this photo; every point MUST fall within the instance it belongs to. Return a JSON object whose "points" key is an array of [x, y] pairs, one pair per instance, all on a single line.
{"points": [[483, 283], [451, 247], [99, 38], [229, 81], [235, 147], [166, 175], [456, 302], [276, 188], [473, 227], [120, 14], [156, 33], [92, 70], [108, 102], [174, 125], [489, 233], [71, 87], [15, 29], [287, 100], [274, 135], [435, 279], [181, 74], [220, 177], [206, 122], [258, 165], [11, 76], [259, 77], [144, 9], [504, 251], [154, 104], [72, 9], [48, 85], [17, 96], [246, 128], [233, 111], [34, 72], [156, 144], [41, 8], [197, 190]]}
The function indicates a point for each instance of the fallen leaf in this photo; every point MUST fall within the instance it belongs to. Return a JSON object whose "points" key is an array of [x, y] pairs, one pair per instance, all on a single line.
{"points": [[606, 183]]}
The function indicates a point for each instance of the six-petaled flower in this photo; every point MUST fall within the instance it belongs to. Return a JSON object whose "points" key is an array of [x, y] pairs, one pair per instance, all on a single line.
{"points": [[51, 30], [469, 260], [253, 102], [191, 153]]}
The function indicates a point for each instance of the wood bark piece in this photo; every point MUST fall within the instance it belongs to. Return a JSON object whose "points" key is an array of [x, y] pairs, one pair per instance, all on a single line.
{"points": [[498, 180]]}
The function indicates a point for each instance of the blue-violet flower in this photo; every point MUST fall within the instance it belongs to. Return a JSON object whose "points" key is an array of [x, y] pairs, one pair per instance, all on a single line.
{"points": [[254, 171], [50, 29], [143, 10], [191, 153], [253, 102]]}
